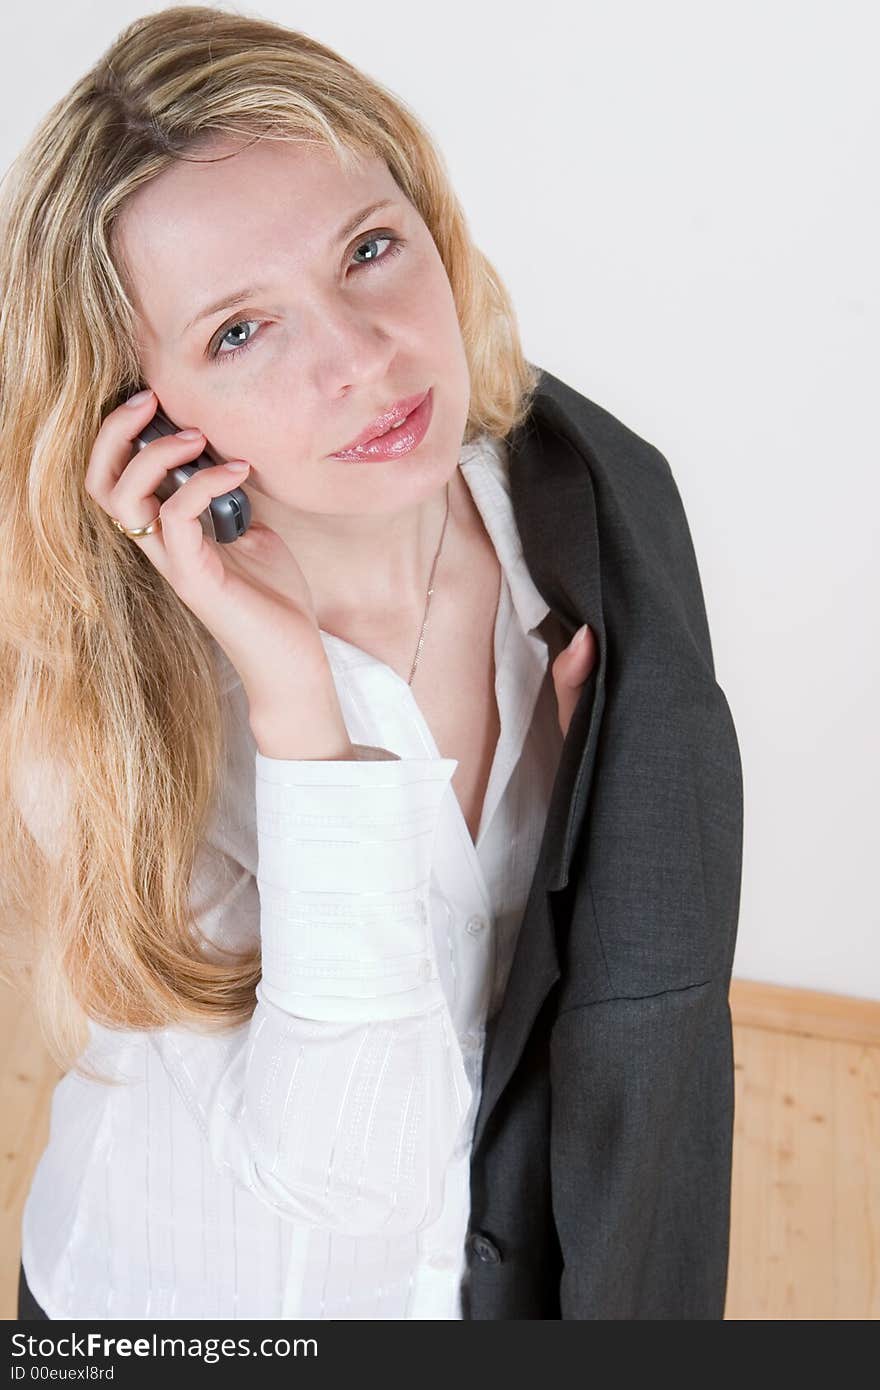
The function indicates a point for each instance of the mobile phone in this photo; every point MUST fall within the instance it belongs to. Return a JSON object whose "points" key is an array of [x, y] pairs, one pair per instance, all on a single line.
{"points": [[228, 516]]}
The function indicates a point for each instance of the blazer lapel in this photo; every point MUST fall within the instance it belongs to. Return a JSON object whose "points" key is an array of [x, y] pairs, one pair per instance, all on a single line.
{"points": [[554, 504]]}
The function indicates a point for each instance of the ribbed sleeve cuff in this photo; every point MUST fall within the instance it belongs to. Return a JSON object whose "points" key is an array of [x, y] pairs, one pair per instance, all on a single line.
{"points": [[344, 866]]}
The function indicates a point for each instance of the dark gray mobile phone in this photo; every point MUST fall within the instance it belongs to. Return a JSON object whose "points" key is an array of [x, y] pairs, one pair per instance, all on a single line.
{"points": [[228, 516]]}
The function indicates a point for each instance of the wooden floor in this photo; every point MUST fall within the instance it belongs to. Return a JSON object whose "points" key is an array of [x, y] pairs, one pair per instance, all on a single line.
{"points": [[805, 1228]]}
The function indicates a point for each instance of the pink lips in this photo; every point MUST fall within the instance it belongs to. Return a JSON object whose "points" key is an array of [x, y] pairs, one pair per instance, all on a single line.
{"points": [[415, 412], [383, 422]]}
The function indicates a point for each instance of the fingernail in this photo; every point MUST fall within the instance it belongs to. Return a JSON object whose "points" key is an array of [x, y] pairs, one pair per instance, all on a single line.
{"points": [[579, 635], [139, 398], [188, 434], [237, 466]]}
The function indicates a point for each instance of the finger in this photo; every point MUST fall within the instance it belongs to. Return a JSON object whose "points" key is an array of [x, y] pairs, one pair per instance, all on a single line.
{"points": [[574, 662], [133, 500], [122, 477], [112, 449], [185, 540], [570, 670]]}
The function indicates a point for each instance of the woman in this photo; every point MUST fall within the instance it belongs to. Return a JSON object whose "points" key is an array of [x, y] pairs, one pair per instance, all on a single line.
{"points": [[267, 932]]}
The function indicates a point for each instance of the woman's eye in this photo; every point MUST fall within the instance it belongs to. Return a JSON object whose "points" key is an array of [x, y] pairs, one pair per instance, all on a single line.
{"points": [[375, 259], [233, 328], [396, 247]]}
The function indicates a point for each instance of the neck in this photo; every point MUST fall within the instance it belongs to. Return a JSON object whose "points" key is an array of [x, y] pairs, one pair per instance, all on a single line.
{"points": [[370, 571]]}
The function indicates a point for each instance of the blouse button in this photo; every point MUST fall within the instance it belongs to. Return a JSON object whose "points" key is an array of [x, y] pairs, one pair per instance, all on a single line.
{"points": [[425, 970], [441, 1261], [475, 924]]}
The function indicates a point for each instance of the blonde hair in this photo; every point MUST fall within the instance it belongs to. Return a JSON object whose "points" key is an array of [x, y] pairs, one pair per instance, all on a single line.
{"points": [[114, 733]]}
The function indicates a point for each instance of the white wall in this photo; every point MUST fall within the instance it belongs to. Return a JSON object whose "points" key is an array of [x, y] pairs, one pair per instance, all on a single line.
{"points": [[683, 200]]}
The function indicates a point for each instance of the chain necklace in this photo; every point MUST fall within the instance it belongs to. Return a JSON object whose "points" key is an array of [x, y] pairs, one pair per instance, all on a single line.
{"points": [[430, 592]]}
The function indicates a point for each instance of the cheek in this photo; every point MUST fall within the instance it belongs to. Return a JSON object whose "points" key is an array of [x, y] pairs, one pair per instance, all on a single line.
{"points": [[427, 302], [254, 394], [263, 433], [185, 409], [248, 424]]}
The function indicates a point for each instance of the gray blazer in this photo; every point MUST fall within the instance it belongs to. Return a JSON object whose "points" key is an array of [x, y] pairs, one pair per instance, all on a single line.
{"points": [[601, 1161]]}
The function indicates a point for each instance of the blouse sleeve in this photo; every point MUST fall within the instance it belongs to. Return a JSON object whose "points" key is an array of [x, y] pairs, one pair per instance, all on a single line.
{"points": [[340, 1102]]}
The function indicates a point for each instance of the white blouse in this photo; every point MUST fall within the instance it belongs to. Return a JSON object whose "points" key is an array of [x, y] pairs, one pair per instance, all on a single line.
{"points": [[314, 1162]]}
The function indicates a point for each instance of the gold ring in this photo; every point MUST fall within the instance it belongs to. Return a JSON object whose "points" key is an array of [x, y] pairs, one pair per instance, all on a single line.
{"points": [[138, 530]]}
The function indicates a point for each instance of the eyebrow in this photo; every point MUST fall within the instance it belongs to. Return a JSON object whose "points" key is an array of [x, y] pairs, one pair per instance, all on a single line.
{"points": [[235, 297]]}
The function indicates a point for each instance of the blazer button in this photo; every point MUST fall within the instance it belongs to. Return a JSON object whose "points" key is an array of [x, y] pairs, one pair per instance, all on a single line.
{"points": [[475, 924], [485, 1249]]}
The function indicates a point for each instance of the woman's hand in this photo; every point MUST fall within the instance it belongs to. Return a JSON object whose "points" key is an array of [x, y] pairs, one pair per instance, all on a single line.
{"points": [[570, 669], [251, 595]]}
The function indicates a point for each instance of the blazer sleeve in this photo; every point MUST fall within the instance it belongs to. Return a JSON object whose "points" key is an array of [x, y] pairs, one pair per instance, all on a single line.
{"points": [[641, 1052], [641, 1140]]}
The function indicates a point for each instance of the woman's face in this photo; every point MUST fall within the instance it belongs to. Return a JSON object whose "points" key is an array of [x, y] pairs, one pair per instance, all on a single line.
{"points": [[332, 329]]}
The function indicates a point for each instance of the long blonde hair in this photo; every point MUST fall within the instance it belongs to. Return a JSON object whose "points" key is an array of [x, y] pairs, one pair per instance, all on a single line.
{"points": [[117, 742]]}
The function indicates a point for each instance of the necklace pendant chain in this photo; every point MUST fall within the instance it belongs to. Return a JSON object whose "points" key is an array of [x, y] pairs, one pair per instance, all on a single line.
{"points": [[430, 592]]}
